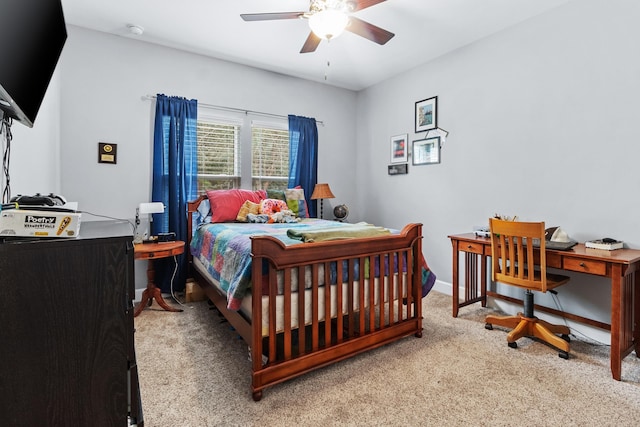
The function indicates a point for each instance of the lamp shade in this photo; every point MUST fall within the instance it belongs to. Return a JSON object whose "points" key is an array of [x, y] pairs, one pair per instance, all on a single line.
{"points": [[151, 208], [322, 191]]}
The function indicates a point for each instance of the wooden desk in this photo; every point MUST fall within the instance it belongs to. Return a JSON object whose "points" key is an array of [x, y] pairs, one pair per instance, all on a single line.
{"points": [[620, 266], [153, 251]]}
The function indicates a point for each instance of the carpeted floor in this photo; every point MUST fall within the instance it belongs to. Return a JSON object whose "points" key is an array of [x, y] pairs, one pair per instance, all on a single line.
{"points": [[194, 371]]}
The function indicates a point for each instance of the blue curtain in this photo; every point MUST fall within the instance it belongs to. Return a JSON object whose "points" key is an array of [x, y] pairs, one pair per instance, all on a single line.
{"points": [[174, 179], [303, 157]]}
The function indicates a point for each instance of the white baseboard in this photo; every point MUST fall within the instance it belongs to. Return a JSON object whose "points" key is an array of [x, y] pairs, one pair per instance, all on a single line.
{"points": [[138, 295], [443, 287]]}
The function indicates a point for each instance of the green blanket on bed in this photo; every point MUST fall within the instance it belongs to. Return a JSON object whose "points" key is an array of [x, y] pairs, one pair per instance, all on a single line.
{"points": [[352, 231]]}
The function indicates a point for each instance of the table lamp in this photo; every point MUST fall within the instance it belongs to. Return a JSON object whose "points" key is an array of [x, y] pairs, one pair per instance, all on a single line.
{"points": [[322, 191], [146, 209]]}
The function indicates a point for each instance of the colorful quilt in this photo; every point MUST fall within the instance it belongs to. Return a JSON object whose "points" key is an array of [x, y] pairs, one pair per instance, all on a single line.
{"points": [[225, 250]]}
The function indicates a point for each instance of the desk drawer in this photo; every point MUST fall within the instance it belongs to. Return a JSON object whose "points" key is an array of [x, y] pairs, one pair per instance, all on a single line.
{"points": [[554, 260], [585, 266], [476, 248]]}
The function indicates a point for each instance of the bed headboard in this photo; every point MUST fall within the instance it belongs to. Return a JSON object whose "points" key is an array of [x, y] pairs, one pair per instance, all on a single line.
{"points": [[192, 207]]}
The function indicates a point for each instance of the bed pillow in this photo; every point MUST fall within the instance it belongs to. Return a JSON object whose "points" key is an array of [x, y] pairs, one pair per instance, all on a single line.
{"points": [[248, 207], [225, 204], [276, 194], [271, 206], [204, 212], [296, 202]]}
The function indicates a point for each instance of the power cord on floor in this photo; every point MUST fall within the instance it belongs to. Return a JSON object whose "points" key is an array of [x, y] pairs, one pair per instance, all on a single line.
{"points": [[173, 295], [574, 331]]}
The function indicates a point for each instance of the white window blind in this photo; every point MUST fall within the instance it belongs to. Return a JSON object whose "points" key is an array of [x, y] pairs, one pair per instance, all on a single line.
{"points": [[269, 155], [235, 151], [218, 154]]}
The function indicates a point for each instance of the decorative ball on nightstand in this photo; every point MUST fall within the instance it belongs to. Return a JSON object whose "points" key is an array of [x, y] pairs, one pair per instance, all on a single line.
{"points": [[341, 212]]}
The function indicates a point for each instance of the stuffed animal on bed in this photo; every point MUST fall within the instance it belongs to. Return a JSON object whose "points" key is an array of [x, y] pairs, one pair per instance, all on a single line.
{"points": [[285, 216], [273, 210]]}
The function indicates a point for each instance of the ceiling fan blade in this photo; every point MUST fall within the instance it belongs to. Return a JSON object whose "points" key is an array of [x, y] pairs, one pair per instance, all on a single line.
{"points": [[363, 4], [368, 31], [270, 16], [311, 44]]}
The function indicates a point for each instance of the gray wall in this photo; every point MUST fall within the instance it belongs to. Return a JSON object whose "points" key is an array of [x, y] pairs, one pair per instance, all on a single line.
{"points": [[543, 124]]}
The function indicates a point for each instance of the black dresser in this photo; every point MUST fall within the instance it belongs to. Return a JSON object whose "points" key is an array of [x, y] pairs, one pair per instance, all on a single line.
{"points": [[67, 354]]}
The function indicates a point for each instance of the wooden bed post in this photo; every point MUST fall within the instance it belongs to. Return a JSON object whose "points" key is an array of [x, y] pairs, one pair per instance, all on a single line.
{"points": [[417, 272]]}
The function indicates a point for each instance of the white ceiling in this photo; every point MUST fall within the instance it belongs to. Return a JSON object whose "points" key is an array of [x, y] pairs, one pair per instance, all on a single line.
{"points": [[424, 29]]}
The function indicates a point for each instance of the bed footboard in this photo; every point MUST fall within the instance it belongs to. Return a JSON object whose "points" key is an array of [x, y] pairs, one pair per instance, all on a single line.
{"points": [[363, 293]]}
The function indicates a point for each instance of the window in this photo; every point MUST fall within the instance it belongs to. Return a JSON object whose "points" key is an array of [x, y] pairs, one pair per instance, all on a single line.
{"points": [[237, 152], [218, 155], [269, 157]]}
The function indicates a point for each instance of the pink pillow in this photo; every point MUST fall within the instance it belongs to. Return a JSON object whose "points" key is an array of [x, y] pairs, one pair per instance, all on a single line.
{"points": [[225, 204]]}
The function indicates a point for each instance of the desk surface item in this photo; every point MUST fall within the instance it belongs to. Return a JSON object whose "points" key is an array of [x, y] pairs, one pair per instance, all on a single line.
{"points": [[558, 246], [150, 252], [620, 266], [604, 244]]}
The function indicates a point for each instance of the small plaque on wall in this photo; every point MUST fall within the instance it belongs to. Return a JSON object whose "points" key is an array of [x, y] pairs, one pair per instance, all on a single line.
{"points": [[400, 169], [107, 153]]}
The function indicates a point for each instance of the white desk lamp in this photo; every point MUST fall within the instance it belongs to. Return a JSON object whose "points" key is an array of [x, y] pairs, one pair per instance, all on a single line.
{"points": [[146, 209]]}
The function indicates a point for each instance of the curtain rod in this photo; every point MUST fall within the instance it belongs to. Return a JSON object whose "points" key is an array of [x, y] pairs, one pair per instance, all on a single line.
{"points": [[238, 110]]}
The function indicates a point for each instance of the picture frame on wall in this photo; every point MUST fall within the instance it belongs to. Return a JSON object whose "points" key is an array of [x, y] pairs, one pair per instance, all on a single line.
{"points": [[426, 151], [398, 169], [107, 153], [399, 148], [427, 114]]}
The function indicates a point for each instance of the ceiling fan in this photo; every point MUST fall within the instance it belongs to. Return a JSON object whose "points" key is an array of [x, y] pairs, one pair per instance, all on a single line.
{"points": [[327, 20]]}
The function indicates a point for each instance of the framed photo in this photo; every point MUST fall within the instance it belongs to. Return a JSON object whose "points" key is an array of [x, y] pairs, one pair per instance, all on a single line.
{"points": [[426, 151], [399, 148], [402, 169], [427, 114]]}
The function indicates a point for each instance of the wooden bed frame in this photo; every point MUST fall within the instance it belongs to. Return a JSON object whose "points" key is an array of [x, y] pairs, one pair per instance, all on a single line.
{"points": [[363, 325]]}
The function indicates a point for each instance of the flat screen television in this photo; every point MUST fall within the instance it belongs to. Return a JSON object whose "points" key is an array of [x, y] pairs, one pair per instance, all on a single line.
{"points": [[32, 34]]}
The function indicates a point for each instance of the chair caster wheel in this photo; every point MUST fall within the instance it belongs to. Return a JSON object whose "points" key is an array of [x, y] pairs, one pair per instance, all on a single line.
{"points": [[488, 326], [513, 344], [566, 337], [564, 355]]}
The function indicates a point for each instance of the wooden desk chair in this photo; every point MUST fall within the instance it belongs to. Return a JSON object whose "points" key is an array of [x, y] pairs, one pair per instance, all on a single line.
{"points": [[514, 262]]}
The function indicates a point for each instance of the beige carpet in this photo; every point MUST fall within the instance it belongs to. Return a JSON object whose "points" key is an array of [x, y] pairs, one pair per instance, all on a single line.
{"points": [[194, 371]]}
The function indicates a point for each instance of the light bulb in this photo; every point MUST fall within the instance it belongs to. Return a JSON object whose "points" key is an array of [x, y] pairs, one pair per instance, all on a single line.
{"points": [[328, 24]]}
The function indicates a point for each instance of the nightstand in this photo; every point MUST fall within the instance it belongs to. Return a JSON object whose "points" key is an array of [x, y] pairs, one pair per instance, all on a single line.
{"points": [[152, 251]]}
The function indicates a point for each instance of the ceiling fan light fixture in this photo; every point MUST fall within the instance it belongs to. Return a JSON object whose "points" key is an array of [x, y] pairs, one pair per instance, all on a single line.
{"points": [[328, 24]]}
